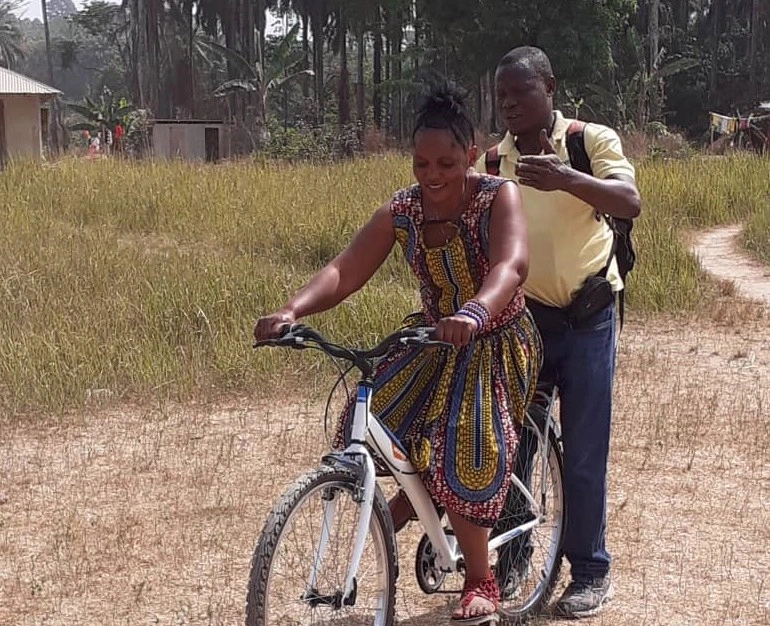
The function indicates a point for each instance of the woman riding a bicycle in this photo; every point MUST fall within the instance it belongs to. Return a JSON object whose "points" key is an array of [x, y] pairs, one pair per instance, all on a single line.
{"points": [[457, 411]]}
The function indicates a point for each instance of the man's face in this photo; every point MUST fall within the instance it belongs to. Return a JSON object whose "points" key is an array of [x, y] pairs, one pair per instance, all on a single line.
{"points": [[524, 98]]}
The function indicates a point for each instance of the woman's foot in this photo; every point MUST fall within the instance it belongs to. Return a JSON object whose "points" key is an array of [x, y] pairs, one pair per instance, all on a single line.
{"points": [[401, 510], [478, 604]]}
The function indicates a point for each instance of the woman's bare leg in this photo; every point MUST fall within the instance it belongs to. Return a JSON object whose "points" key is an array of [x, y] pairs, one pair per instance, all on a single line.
{"points": [[473, 543]]}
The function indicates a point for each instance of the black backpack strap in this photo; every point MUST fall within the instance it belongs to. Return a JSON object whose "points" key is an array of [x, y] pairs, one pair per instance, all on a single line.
{"points": [[492, 161], [576, 147], [579, 160]]}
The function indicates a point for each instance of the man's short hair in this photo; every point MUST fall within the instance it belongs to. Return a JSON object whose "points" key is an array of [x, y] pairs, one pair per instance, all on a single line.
{"points": [[530, 57]]}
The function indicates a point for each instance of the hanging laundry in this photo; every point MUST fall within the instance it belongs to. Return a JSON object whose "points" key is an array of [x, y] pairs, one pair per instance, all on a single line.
{"points": [[723, 124]]}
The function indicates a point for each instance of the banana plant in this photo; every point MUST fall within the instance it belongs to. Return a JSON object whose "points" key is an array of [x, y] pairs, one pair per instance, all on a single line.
{"points": [[264, 76], [102, 115], [631, 101]]}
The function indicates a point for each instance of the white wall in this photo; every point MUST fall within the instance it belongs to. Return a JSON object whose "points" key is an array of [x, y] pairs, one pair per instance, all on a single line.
{"points": [[23, 139], [187, 141]]}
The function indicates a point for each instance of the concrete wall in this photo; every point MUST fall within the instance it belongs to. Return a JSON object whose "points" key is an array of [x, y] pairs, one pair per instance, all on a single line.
{"points": [[23, 138], [186, 141]]}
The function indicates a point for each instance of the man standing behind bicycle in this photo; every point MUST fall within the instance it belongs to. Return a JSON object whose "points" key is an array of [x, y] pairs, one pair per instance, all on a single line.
{"points": [[570, 242]]}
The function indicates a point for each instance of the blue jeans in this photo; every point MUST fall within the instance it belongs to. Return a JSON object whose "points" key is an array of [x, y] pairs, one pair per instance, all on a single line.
{"points": [[581, 363]]}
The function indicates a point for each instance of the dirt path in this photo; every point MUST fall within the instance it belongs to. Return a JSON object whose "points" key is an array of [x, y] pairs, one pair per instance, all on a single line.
{"points": [[149, 516], [720, 255]]}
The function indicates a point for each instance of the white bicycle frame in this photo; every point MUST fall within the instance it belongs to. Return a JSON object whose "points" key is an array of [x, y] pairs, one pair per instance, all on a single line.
{"points": [[367, 428]]}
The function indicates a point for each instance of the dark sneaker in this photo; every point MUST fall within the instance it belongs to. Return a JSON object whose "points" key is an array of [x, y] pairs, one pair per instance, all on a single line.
{"points": [[583, 599]]}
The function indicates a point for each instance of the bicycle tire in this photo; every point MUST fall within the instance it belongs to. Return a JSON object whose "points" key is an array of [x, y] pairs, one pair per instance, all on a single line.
{"points": [[381, 536], [512, 613]]}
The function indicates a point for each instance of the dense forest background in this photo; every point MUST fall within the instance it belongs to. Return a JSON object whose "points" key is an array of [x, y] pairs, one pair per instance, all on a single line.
{"points": [[348, 70]]}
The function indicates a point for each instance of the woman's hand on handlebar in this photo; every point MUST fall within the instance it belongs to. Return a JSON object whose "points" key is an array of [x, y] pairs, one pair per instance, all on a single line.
{"points": [[269, 326], [455, 329]]}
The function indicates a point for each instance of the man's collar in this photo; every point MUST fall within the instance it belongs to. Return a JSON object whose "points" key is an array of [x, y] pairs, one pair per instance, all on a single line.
{"points": [[507, 145], [560, 125]]}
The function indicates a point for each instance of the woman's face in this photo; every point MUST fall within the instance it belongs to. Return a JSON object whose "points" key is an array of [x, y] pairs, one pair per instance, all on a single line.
{"points": [[440, 165]]}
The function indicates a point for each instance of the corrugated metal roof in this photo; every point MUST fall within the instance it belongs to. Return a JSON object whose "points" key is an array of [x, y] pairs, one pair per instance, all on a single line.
{"points": [[18, 84]]}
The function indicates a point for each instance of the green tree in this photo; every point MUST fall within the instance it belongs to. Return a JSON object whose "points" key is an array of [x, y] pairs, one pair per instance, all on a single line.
{"points": [[10, 34], [61, 9], [93, 50]]}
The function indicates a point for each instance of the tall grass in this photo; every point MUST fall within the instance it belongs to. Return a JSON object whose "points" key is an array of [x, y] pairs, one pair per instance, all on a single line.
{"points": [[124, 280], [683, 195], [756, 235]]}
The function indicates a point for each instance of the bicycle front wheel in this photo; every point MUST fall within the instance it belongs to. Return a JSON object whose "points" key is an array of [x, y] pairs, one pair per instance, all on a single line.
{"points": [[300, 563]]}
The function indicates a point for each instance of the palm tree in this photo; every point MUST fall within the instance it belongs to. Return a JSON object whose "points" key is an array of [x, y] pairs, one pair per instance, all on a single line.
{"points": [[48, 53], [145, 44], [340, 46], [300, 8], [10, 34], [754, 60], [55, 125], [188, 53], [319, 16]]}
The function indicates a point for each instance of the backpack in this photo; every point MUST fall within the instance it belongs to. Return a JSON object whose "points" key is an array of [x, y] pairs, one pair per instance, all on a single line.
{"points": [[622, 247]]}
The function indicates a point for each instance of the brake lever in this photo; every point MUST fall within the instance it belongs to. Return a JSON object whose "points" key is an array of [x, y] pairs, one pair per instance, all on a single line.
{"points": [[435, 343], [417, 341]]}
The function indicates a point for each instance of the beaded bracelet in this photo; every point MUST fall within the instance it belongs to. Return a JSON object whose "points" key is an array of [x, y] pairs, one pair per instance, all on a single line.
{"points": [[477, 312]]}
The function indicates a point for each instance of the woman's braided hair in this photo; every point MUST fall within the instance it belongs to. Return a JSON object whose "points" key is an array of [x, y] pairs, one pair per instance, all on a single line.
{"points": [[443, 107]]}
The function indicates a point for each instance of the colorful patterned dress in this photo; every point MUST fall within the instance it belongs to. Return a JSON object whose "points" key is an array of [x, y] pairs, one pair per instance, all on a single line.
{"points": [[458, 411]]}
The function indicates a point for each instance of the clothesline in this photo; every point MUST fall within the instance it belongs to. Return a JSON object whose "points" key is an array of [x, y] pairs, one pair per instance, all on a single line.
{"points": [[726, 124]]}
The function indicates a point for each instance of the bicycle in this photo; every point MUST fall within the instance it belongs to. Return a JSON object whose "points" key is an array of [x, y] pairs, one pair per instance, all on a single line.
{"points": [[317, 586]]}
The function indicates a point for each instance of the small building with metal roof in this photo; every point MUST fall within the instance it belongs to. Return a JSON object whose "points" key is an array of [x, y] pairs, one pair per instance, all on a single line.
{"points": [[23, 116]]}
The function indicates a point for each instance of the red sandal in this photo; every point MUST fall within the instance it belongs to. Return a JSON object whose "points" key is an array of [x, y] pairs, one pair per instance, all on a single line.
{"points": [[485, 589]]}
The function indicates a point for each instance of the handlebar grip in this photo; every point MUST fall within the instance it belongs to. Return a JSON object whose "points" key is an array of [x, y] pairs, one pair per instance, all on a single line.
{"points": [[286, 329]]}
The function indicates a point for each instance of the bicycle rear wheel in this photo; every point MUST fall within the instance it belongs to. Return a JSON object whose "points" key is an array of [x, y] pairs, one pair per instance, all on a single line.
{"points": [[528, 566], [286, 554]]}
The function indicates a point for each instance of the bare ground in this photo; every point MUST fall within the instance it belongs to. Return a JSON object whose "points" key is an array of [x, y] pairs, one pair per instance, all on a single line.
{"points": [[149, 516], [719, 254]]}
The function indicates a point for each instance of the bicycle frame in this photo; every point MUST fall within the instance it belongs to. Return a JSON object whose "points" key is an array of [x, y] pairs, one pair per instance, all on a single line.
{"points": [[367, 429]]}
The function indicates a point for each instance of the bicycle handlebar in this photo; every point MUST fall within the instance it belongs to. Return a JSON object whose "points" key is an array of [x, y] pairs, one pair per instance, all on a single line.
{"points": [[299, 337]]}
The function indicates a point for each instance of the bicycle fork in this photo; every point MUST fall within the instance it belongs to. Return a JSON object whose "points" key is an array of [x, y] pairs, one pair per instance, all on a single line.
{"points": [[364, 496]]}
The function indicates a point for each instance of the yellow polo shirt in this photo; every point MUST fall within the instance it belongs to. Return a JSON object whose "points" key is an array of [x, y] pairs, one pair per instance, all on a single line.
{"points": [[566, 241]]}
